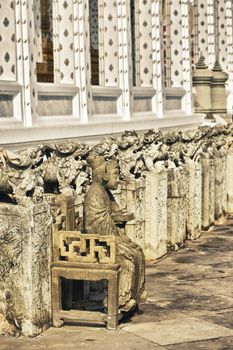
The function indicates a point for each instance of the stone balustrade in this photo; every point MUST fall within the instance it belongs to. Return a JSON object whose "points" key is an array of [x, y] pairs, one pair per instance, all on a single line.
{"points": [[176, 184]]}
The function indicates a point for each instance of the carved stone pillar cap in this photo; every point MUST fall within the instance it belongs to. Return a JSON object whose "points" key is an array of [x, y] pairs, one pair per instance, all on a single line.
{"points": [[218, 73], [201, 63], [202, 75], [217, 67]]}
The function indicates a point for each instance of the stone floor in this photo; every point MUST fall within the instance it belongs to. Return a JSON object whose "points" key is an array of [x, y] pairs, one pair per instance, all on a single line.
{"points": [[189, 306]]}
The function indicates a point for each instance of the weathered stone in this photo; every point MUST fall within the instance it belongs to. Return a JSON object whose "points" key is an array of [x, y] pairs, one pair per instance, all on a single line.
{"points": [[155, 235], [194, 200], [133, 199], [176, 207], [25, 266], [230, 181], [219, 179], [205, 162]]}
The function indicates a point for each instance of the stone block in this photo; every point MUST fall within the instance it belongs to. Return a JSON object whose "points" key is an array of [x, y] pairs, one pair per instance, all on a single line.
{"points": [[156, 214], [25, 266], [230, 182], [220, 187], [194, 200], [208, 192], [176, 222], [131, 197], [176, 207]]}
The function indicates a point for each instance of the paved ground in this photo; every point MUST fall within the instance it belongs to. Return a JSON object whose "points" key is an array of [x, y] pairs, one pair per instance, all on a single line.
{"points": [[189, 306]]}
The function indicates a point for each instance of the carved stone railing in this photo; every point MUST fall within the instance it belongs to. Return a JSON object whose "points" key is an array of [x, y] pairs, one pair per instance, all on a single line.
{"points": [[83, 248], [176, 183]]}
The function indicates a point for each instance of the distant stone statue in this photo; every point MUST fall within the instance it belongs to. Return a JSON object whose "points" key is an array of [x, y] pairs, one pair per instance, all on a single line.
{"points": [[103, 216]]}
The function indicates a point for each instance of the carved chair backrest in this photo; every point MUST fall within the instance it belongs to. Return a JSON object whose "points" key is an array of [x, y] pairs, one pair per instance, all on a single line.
{"points": [[74, 246]]}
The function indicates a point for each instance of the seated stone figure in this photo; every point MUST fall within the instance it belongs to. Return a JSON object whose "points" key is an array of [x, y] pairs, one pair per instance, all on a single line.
{"points": [[103, 216]]}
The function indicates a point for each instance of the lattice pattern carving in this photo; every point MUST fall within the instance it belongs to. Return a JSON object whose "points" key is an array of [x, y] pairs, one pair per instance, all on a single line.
{"points": [[75, 246]]}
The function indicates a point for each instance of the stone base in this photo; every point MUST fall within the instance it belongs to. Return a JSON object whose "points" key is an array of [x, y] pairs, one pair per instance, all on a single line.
{"points": [[156, 214], [25, 267], [176, 222], [194, 200]]}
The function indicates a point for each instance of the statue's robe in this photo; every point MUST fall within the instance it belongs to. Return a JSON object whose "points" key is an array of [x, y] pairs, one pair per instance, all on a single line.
{"points": [[99, 205]]}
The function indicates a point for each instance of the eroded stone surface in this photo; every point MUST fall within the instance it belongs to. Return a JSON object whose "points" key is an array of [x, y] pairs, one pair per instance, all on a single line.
{"points": [[184, 310], [151, 164]]}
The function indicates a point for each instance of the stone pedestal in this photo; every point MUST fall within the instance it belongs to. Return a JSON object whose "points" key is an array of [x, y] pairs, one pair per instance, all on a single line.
{"points": [[218, 90], [224, 186], [25, 266], [156, 214], [212, 192], [132, 198], [230, 182], [194, 200], [202, 83], [220, 187], [176, 233], [208, 192]]}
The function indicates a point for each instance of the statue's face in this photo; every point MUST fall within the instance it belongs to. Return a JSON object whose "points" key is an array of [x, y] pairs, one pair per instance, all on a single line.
{"points": [[113, 179]]}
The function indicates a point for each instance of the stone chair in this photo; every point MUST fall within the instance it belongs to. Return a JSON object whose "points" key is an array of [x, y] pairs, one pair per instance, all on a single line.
{"points": [[86, 257]]}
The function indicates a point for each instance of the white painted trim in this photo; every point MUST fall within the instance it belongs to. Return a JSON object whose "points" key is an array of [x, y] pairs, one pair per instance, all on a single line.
{"points": [[48, 89], [174, 92], [15, 90], [9, 88], [106, 91], [18, 137], [143, 92]]}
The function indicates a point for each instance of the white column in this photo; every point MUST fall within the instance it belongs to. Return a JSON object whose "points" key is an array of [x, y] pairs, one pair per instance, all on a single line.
{"points": [[38, 33], [229, 38], [222, 33], [82, 57], [186, 59], [136, 41], [125, 62], [8, 41], [145, 43], [210, 35], [157, 57], [166, 32], [109, 44], [100, 4], [193, 20], [27, 71], [65, 38], [203, 14], [176, 43]]}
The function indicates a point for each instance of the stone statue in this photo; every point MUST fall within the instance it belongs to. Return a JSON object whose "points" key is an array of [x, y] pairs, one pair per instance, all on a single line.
{"points": [[103, 216]]}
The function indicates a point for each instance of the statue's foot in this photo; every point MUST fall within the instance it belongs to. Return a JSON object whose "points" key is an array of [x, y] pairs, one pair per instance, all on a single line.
{"points": [[128, 306]]}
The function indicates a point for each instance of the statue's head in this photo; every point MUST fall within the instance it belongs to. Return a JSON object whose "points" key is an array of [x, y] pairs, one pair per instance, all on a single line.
{"points": [[105, 172]]}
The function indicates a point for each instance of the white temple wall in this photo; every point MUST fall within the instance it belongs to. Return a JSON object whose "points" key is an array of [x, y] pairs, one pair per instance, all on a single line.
{"points": [[36, 110]]}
